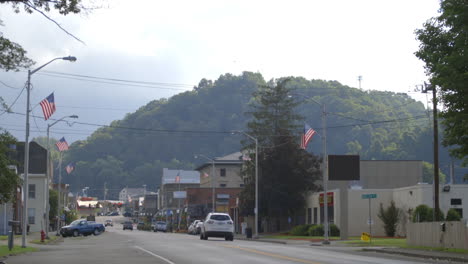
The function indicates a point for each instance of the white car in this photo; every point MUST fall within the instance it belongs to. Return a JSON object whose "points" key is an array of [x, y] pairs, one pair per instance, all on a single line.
{"points": [[193, 227], [217, 225]]}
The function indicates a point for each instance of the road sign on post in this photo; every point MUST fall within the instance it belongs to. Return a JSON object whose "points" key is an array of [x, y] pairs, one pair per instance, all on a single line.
{"points": [[369, 196]]}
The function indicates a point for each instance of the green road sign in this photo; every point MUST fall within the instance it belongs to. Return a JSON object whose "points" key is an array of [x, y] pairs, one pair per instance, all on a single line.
{"points": [[369, 196]]}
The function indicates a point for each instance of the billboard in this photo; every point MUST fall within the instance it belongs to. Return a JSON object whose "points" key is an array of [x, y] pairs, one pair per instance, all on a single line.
{"points": [[343, 168], [180, 194]]}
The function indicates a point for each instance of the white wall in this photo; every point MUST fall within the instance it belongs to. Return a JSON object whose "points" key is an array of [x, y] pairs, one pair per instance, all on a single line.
{"points": [[406, 198], [39, 202]]}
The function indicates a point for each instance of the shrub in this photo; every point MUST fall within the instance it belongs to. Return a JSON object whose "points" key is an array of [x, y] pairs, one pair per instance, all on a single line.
{"points": [[431, 215], [316, 230], [390, 218], [300, 230], [422, 214], [453, 215], [334, 230]]}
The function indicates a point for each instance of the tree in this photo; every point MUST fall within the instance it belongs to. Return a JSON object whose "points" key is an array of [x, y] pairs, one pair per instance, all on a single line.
{"points": [[428, 173], [390, 218], [9, 180], [12, 55], [444, 50], [421, 214], [286, 172], [53, 204]]}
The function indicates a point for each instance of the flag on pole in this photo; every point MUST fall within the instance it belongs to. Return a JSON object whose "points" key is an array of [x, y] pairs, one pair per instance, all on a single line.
{"points": [[205, 175], [70, 167], [307, 136], [48, 106], [177, 179], [62, 144]]}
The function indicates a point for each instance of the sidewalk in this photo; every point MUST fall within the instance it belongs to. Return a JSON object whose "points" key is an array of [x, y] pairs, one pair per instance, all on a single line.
{"points": [[419, 253], [30, 237], [427, 254]]}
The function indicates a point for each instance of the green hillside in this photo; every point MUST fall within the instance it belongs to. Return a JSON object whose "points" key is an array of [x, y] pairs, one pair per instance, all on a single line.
{"points": [[169, 132]]}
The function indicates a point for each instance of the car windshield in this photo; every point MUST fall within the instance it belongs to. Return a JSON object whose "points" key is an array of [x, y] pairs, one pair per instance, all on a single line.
{"points": [[76, 222], [220, 217]]}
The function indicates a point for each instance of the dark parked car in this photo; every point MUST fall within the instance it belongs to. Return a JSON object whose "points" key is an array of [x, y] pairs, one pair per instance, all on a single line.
{"points": [[82, 227], [127, 214], [128, 225], [140, 225]]}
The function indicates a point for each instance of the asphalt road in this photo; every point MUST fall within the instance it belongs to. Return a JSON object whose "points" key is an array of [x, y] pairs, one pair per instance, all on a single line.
{"points": [[121, 247]]}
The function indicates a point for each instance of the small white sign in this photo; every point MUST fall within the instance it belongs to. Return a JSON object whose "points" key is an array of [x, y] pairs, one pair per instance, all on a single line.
{"points": [[370, 221], [180, 194]]}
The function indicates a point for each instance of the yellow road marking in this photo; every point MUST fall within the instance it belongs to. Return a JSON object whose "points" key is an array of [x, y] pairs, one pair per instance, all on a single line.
{"points": [[272, 255]]}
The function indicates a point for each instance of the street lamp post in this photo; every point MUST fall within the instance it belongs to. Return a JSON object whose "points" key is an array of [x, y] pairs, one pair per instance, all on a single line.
{"points": [[26, 149], [256, 179], [47, 205], [212, 180]]}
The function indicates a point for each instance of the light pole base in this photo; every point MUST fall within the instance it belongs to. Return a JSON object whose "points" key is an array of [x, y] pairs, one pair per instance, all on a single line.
{"points": [[326, 242]]}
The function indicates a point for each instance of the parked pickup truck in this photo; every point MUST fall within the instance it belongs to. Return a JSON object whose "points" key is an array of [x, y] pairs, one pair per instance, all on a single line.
{"points": [[82, 227]]}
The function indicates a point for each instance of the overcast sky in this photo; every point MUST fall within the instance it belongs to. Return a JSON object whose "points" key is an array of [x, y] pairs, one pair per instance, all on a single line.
{"points": [[174, 44]]}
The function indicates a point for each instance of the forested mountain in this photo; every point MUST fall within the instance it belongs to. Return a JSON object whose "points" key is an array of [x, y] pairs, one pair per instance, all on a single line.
{"points": [[169, 132]]}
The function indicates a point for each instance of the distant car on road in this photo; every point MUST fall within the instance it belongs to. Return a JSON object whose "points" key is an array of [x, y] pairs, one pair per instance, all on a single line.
{"points": [[140, 225], [127, 214], [108, 223], [127, 225], [114, 214], [217, 225], [198, 227], [160, 226], [82, 227]]}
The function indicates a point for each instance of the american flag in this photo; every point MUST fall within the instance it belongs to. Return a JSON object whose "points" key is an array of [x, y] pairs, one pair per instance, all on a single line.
{"points": [[177, 179], [62, 144], [205, 175], [70, 167], [307, 136], [48, 106]]}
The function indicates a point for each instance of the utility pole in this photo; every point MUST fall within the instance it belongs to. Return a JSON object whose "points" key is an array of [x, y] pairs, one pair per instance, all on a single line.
{"points": [[359, 78], [429, 87]]}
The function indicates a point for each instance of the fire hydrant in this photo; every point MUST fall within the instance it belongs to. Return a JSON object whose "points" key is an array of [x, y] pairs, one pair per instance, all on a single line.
{"points": [[43, 234]]}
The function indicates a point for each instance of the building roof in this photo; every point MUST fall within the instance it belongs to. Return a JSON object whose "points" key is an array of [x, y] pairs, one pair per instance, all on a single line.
{"points": [[186, 176], [230, 159], [134, 191]]}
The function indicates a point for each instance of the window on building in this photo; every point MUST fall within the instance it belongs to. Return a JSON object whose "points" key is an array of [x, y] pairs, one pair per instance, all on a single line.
{"points": [[222, 185], [222, 172], [456, 201], [330, 214], [309, 215], [32, 191], [31, 216], [315, 215]]}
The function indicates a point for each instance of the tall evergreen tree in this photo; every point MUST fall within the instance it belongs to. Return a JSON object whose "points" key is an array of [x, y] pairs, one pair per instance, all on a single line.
{"points": [[286, 172]]}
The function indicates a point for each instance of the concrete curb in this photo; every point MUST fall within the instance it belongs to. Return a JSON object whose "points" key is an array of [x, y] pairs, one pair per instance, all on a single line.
{"points": [[262, 240], [416, 254]]}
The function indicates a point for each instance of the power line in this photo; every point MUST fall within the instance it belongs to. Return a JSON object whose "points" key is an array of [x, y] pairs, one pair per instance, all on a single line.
{"points": [[229, 132], [15, 88]]}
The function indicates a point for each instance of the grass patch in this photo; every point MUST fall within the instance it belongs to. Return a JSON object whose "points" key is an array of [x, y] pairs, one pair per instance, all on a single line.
{"points": [[46, 241], [399, 243], [377, 242], [16, 250], [6, 237]]}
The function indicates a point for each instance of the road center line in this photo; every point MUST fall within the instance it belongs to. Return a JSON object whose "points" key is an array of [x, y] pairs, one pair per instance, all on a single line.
{"points": [[272, 255], [154, 255]]}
